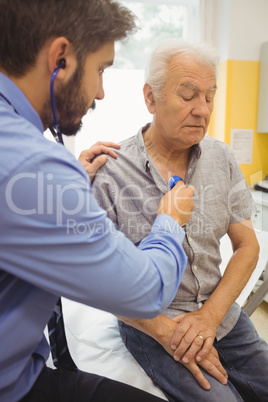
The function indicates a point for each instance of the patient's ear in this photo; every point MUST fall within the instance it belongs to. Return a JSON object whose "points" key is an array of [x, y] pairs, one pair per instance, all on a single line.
{"points": [[149, 98]]}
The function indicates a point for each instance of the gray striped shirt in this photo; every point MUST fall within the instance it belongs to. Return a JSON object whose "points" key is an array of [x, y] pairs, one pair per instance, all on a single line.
{"points": [[130, 189]]}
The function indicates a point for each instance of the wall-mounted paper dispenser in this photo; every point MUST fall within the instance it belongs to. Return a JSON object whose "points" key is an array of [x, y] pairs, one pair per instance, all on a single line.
{"points": [[262, 126]]}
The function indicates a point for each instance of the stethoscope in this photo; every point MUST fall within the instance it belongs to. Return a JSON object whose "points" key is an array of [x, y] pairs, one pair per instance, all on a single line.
{"points": [[56, 132], [174, 180]]}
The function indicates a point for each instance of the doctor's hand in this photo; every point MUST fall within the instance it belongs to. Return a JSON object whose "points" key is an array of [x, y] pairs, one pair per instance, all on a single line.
{"points": [[94, 157], [178, 203]]}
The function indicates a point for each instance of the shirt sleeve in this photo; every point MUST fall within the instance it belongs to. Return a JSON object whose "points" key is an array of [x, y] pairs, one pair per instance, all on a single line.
{"points": [[240, 202], [55, 236]]}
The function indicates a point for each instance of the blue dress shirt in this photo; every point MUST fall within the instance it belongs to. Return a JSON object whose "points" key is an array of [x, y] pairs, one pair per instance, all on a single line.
{"points": [[56, 240]]}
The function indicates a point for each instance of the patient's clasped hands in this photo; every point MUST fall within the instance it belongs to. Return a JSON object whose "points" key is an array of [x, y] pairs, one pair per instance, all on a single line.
{"points": [[192, 344], [194, 336], [210, 361]]}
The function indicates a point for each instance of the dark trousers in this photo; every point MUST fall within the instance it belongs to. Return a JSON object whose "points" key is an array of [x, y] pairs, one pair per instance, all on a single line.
{"points": [[243, 354], [63, 385]]}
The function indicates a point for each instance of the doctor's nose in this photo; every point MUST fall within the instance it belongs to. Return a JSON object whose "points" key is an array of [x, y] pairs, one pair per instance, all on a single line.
{"points": [[100, 93]]}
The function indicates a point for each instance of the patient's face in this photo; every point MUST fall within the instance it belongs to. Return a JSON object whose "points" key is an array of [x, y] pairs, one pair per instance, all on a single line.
{"points": [[184, 115]]}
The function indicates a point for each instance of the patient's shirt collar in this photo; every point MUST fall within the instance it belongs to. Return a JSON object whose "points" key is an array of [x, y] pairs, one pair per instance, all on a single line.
{"points": [[145, 159]]}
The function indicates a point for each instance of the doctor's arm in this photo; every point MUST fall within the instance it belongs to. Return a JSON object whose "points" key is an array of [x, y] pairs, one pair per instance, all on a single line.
{"points": [[202, 324]]}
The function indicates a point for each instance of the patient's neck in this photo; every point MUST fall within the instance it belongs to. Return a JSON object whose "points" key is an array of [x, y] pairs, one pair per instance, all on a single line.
{"points": [[169, 161]]}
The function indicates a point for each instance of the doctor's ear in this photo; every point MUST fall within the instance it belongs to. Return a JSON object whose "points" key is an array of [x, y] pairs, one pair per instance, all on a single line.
{"points": [[62, 57]]}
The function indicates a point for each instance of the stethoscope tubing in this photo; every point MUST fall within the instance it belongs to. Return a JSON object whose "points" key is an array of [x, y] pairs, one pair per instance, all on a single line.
{"points": [[57, 134]]}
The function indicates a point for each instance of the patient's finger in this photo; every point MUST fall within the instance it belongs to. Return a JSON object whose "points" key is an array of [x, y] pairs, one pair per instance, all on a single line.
{"points": [[214, 367], [198, 375]]}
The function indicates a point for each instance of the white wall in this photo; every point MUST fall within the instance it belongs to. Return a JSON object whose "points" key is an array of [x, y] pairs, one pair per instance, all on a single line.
{"points": [[124, 88], [239, 27], [236, 27]]}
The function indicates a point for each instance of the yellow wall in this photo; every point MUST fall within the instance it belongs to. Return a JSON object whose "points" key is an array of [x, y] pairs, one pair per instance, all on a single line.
{"points": [[235, 107]]}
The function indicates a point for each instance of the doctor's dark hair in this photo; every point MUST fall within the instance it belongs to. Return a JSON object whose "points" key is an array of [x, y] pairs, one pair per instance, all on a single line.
{"points": [[26, 25]]}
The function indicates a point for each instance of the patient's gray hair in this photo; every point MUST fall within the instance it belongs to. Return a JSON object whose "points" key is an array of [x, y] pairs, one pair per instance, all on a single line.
{"points": [[155, 73]]}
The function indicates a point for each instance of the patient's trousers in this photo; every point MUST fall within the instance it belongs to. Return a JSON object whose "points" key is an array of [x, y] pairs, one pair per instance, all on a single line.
{"points": [[62, 385], [242, 352]]}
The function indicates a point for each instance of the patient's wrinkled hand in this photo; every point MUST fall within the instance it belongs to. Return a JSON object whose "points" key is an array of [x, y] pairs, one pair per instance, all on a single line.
{"points": [[193, 337], [210, 362], [94, 157]]}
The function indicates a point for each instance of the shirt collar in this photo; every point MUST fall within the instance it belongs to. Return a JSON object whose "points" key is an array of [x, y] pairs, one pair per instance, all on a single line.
{"points": [[141, 147], [19, 102], [195, 155]]}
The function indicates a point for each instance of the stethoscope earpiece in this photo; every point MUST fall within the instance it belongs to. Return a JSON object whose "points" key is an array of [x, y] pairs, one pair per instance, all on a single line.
{"points": [[62, 63]]}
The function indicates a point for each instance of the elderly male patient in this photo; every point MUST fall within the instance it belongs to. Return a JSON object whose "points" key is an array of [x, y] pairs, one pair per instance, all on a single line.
{"points": [[172, 348]]}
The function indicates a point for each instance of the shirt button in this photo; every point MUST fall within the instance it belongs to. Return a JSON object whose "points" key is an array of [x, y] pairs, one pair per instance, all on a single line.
{"points": [[190, 239], [195, 267], [148, 164]]}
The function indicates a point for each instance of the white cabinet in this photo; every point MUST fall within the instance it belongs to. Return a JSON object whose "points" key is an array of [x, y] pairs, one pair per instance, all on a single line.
{"points": [[260, 222], [260, 217]]}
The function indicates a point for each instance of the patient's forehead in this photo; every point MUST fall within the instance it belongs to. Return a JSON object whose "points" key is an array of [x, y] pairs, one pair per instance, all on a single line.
{"points": [[186, 69]]}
